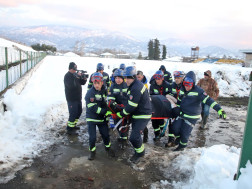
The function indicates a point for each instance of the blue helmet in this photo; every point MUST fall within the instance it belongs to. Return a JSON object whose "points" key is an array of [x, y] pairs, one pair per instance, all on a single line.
{"points": [[158, 75], [97, 76], [122, 66], [118, 73], [100, 67], [130, 71]]}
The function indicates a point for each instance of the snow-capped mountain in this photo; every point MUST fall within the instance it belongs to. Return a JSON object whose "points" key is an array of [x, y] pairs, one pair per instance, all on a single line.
{"points": [[65, 38]]}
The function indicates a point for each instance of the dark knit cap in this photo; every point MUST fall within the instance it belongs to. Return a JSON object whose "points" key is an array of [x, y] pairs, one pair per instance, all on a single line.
{"points": [[72, 66]]}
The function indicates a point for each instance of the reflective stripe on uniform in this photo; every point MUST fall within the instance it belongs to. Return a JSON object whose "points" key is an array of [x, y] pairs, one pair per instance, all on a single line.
{"points": [[98, 96], [116, 90], [143, 89], [213, 104], [70, 124], [157, 129], [91, 104], [76, 121], [98, 110], [132, 103], [140, 150], [141, 116], [162, 126], [155, 91], [94, 120], [108, 146], [184, 144], [193, 94], [93, 149], [111, 98], [205, 99], [124, 90], [181, 92], [124, 111], [189, 116], [166, 90], [174, 90], [124, 138], [171, 135]]}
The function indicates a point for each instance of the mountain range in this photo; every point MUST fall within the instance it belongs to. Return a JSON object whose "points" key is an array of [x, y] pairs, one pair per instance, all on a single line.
{"points": [[66, 38]]}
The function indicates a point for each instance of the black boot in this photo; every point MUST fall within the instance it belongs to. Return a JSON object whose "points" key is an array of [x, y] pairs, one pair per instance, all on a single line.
{"points": [[179, 148], [70, 131], [137, 157], [171, 142], [110, 152], [204, 121], [76, 128], [91, 155], [157, 137], [145, 136]]}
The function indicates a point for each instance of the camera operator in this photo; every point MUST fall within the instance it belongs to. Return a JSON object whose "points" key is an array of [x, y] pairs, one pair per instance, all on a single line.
{"points": [[73, 92]]}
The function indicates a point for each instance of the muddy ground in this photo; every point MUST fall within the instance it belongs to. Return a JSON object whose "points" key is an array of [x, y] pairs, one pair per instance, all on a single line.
{"points": [[65, 164]]}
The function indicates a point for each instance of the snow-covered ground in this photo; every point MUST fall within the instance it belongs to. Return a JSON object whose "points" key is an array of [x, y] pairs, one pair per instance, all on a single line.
{"points": [[29, 125]]}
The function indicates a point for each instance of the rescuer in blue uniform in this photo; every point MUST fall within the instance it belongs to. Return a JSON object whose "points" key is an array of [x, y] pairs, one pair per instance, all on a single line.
{"points": [[139, 109], [100, 69], [96, 113], [73, 92], [117, 99], [176, 86], [167, 75], [189, 101], [159, 87]]}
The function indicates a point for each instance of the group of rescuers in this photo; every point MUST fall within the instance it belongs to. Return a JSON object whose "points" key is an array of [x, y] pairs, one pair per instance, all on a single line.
{"points": [[125, 97]]}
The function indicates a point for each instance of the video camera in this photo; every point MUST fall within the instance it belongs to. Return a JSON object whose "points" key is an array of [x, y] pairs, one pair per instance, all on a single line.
{"points": [[83, 75]]}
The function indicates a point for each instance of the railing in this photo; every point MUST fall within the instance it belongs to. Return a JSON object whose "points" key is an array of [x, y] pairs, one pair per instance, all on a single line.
{"points": [[14, 63]]}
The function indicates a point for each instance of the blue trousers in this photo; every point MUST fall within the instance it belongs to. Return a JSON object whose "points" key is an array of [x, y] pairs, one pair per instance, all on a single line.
{"points": [[104, 131], [138, 126], [75, 110], [205, 109], [181, 129]]}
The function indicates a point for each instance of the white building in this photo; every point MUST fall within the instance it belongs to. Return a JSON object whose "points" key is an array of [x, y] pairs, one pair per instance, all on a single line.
{"points": [[107, 55]]}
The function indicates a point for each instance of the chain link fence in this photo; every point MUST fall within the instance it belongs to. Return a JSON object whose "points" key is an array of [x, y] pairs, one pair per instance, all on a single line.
{"points": [[14, 63]]}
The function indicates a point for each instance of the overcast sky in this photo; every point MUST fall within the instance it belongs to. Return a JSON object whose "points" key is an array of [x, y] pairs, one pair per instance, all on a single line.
{"points": [[226, 23]]}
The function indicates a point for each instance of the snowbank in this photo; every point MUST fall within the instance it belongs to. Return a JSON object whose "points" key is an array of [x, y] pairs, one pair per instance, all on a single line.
{"points": [[215, 167], [7, 43], [71, 54]]}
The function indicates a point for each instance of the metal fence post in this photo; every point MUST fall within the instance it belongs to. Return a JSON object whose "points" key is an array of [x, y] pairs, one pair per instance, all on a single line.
{"points": [[20, 56], [27, 61], [31, 59], [6, 66], [246, 152]]}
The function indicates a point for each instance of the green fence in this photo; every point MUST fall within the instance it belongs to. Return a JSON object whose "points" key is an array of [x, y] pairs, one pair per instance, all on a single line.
{"points": [[14, 63]]}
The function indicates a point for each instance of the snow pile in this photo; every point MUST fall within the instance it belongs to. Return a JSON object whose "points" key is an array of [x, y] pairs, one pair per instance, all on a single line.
{"points": [[214, 168], [174, 59], [71, 54]]}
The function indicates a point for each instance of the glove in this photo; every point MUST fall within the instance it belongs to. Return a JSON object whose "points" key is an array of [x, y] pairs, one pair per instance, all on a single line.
{"points": [[108, 113], [222, 114], [118, 115], [119, 107]]}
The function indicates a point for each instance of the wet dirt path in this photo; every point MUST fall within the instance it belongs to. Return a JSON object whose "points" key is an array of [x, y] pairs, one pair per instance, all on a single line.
{"points": [[65, 164]]}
